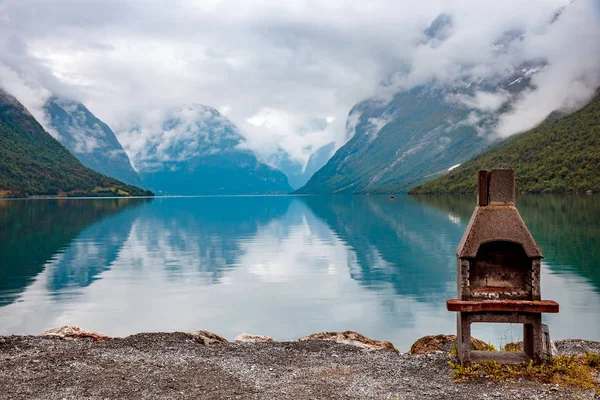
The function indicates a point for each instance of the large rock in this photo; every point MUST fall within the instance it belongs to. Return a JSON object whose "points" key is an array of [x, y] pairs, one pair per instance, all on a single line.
{"points": [[248, 338], [352, 338], [432, 344], [518, 346], [206, 337], [74, 332], [515, 346]]}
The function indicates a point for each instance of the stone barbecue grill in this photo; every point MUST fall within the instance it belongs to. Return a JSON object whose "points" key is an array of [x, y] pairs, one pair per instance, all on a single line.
{"points": [[498, 272]]}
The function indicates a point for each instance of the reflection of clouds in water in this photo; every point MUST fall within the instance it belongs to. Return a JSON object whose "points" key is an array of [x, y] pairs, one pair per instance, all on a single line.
{"points": [[288, 281], [579, 316], [30, 313], [290, 276], [275, 258], [455, 219]]}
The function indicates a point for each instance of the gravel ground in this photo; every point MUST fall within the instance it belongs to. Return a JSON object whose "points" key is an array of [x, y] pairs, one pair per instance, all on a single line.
{"points": [[175, 366]]}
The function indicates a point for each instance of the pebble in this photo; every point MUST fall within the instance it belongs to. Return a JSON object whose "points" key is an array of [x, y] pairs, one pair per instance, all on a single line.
{"points": [[373, 374]]}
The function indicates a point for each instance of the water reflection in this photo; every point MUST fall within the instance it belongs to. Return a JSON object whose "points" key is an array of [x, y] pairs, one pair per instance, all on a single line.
{"points": [[565, 227], [34, 232], [281, 266], [398, 242], [567, 230]]}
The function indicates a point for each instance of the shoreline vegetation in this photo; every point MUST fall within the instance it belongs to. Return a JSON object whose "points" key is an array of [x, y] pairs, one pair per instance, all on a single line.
{"points": [[109, 194], [69, 362]]}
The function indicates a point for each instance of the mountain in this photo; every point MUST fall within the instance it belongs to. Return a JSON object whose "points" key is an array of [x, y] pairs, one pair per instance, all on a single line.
{"points": [[560, 155], [33, 163], [89, 139], [197, 151], [297, 173], [416, 134], [318, 159], [420, 133]]}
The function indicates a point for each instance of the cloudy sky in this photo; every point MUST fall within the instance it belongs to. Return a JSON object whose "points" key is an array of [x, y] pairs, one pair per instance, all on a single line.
{"points": [[277, 68]]}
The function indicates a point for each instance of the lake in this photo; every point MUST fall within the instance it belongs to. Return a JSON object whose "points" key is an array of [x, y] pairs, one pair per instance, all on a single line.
{"points": [[282, 266]]}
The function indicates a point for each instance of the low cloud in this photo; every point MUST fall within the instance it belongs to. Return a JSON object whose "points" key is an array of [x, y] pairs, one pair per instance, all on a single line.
{"points": [[178, 134], [571, 47], [375, 125], [482, 100], [274, 68]]}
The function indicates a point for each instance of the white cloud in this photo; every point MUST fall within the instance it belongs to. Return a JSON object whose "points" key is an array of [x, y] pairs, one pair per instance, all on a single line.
{"points": [[274, 67], [482, 100], [377, 124], [572, 48]]}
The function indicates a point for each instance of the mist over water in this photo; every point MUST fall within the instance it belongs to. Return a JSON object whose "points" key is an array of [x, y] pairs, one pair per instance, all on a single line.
{"points": [[276, 265]]}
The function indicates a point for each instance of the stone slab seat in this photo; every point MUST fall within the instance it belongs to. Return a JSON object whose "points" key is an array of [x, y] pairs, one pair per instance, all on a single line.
{"points": [[528, 306]]}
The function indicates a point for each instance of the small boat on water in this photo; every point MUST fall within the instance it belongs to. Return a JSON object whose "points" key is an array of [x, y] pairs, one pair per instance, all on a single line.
{"points": [[392, 197]]}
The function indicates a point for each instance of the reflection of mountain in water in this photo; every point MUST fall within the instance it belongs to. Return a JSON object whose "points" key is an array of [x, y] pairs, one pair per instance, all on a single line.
{"points": [[202, 234], [94, 251], [566, 227], [34, 232], [398, 242]]}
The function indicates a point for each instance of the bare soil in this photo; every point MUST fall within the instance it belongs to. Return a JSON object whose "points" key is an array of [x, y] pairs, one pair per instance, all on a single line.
{"points": [[177, 366]]}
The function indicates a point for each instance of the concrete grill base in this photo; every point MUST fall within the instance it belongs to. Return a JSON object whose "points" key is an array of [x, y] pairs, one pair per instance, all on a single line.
{"points": [[532, 336]]}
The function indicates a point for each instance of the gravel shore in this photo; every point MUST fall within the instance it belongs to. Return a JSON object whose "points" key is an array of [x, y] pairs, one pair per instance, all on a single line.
{"points": [[177, 366]]}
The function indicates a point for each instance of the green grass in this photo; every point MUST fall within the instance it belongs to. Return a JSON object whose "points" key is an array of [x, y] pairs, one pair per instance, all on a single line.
{"points": [[575, 371]]}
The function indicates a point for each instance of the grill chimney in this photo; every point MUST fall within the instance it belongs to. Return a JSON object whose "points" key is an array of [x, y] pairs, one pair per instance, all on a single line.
{"points": [[498, 271], [496, 186]]}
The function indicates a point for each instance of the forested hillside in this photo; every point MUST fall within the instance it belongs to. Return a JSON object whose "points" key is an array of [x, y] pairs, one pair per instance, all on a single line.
{"points": [[561, 155], [33, 163]]}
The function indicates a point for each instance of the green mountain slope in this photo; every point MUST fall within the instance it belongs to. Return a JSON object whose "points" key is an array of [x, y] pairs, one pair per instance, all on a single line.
{"points": [[561, 155], [33, 163]]}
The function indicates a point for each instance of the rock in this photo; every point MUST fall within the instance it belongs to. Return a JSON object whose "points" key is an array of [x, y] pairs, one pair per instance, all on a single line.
{"points": [[431, 344], [576, 346], [247, 338], [352, 338], [74, 332], [206, 337], [515, 346], [518, 346]]}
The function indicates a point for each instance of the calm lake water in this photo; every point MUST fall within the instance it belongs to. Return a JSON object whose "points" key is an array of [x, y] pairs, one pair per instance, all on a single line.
{"points": [[276, 265]]}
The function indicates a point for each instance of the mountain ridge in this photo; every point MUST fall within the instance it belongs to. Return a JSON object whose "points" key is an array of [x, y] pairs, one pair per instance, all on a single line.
{"points": [[89, 139], [33, 163], [562, 155], [198, 151]]}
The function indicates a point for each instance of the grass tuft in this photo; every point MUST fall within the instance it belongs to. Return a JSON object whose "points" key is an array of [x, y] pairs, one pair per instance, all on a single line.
{"points": [[576, 371]]}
